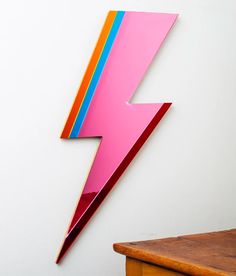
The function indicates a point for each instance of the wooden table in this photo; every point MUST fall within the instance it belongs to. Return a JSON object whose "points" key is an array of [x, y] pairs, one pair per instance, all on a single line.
{"points": [[208, 254]]}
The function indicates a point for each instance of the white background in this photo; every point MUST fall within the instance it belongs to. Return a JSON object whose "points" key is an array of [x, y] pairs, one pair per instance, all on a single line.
{"points": [[183, 179]]}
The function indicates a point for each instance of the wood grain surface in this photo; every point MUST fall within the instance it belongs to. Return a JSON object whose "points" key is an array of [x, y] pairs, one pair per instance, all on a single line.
{"points": [[211, 254]]}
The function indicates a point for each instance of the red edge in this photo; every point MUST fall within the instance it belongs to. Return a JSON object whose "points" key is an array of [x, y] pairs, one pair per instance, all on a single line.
{"points": [[76, 230]]}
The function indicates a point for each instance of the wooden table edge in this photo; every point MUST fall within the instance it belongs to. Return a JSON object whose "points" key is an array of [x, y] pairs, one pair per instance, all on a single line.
{"points": [[163, 261]]}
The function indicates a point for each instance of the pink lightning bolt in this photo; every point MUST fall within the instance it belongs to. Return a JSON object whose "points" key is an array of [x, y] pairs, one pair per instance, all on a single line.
{"points": [[128, 43]]}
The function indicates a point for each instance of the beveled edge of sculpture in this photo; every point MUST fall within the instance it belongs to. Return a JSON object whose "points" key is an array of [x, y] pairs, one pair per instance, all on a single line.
{"points": [[71, 121], [76, 230]]}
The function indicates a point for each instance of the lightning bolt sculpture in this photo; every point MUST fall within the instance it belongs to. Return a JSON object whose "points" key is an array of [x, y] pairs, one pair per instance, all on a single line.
{"points": [[127, 44]]}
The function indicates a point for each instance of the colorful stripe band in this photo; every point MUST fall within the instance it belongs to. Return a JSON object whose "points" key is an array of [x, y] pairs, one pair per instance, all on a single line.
{"points": [[92, 75]]}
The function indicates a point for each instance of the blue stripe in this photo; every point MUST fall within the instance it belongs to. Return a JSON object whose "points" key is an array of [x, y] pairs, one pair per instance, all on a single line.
{"points": [[97, 74]]}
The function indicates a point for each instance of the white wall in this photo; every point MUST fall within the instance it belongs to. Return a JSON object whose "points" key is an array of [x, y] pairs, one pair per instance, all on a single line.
{"points": [[183, 179]]}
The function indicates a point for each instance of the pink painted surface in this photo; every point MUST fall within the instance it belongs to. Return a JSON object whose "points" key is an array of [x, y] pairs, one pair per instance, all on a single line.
{"points": [[110, 115], [123, 127]]}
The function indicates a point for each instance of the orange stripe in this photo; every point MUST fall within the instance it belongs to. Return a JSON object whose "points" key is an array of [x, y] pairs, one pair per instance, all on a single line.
{"points": [[88, 74]]}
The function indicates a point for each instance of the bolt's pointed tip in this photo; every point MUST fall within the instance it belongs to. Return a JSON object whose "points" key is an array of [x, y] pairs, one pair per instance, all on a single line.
{"points": [[59, 257], [64, 248], [57, 261]]}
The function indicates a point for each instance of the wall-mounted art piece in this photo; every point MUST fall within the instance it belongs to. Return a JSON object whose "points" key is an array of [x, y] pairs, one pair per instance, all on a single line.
{"points": [[125, 48]]}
